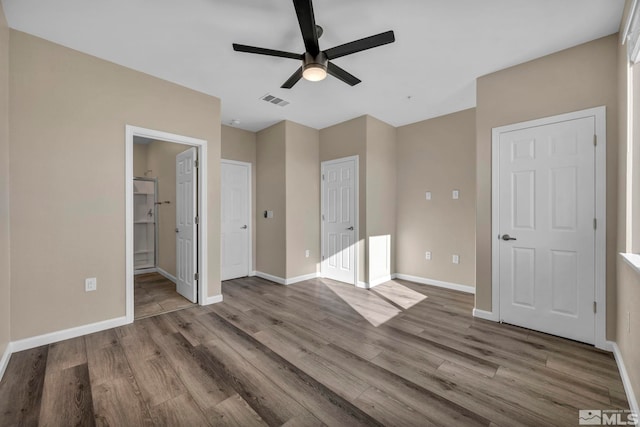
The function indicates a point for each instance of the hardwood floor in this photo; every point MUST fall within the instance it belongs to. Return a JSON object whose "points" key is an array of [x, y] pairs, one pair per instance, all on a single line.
{"points": [[315, 353], [155, 294]]}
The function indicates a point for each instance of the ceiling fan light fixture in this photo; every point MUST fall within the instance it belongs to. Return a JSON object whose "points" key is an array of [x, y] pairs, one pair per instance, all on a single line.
{"points": [[314, 72], [314, 69]]}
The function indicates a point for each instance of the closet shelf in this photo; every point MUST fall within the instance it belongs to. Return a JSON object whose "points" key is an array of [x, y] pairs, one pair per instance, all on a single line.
{"points": [[144, 222], [146, 251]]}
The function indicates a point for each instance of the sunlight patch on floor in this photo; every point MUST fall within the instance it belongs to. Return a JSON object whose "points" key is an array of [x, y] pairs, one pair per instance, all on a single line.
{"points": [[398, 294], [380, 304], [370, 306]]}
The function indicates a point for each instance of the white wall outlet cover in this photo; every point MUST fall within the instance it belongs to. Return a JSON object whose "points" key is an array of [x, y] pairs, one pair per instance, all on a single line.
{"points": [[455, 259], [427, 195], [269, 214], [90, 284], [455, 194], [307, 253], [427, 255]]}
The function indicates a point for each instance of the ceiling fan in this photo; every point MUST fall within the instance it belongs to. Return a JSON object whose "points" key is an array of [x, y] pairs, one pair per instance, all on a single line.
{"points": [[315, 62]]}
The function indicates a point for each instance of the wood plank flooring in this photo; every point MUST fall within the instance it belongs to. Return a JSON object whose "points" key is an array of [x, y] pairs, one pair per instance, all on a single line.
{"points": [[315, 353], [155, 294]]}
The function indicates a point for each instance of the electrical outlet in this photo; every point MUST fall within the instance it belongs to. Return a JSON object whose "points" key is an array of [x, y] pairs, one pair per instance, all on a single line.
{"points": [[427, 195], [427, 256], [455, 194], [455, 259], [307, 253], [90, 284]]}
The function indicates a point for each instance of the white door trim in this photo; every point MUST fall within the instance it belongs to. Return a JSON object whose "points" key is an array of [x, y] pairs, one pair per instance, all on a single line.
{"points": [[250, 207], [130, 132], [599, 114], [355, 158]]}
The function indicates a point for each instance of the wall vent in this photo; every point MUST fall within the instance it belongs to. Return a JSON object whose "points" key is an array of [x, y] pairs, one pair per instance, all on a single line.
{"points": [[275, 100]]}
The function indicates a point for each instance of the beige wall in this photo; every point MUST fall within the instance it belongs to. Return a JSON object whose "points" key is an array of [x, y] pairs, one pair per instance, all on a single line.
{"points": [[140, 160], [161, 164], [5, 276], [240, 145], [628, 320], [302, 199], [350, 139], [270, 195], [68, 112], [437, 155], [574, 79], [380, 191]]}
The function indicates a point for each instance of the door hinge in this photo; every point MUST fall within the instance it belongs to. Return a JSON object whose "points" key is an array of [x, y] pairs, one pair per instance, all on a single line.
{"points": [[323, 177], [595, 140], [196, 276], [595, 224], [197, 163], [323, 217], [595, 306], [323, 257], [197, 220]]}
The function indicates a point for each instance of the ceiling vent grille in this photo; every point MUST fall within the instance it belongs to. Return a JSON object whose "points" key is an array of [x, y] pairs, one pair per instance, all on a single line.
{"points": [[274, 100]]}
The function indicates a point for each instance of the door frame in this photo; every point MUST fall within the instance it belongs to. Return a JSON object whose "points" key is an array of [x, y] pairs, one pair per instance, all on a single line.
{"points": [[356, 252], [600, 297], [201, 145], [250, 209]]}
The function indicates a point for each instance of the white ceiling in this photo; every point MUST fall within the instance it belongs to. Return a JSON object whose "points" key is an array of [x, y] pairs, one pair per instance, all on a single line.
{"points": [[441, 47]]}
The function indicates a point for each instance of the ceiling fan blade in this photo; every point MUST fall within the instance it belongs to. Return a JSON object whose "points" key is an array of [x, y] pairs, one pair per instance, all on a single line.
{"points": [[293, 79], [268, 52], [360, 45], [304, 10], [341, 74]]}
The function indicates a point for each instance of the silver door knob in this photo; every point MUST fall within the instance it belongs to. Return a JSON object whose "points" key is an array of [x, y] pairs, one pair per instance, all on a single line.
{"points": [[350, 228], [244, 227], [507, 237]]}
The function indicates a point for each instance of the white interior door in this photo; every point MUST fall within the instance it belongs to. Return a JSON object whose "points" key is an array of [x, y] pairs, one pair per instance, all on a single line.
{"points": [[186, 228], [547, 236], [235, 218], [339, 237]]}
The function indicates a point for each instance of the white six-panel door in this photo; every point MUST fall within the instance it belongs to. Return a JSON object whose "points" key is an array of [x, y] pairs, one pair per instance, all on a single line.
{"points": [[186, 228], [235, 219], [547, 236], [339, 223]]}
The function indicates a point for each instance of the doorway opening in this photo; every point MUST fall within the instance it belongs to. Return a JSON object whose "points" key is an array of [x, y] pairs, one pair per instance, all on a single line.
{"points": [[165, 222]]}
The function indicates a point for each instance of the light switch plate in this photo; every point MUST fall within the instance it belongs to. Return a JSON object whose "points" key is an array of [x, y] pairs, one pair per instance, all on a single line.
{"points": [[427, 195], [269, 214], [90, 284], [455, 259], [307, 253], [455, 194]]}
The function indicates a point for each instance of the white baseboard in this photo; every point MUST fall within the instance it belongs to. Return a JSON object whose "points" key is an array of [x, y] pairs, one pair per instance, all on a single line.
{"points": [[252, 273], [37, 341], [439, 283], [486, 315], [626, 381], [286, 282], [276, 279], [5, 359], [213, 300], [167, 275], [145, 271]]}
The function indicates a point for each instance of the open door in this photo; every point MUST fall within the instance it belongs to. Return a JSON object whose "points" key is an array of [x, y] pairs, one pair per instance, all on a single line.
{"points": [[186, 225]]}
